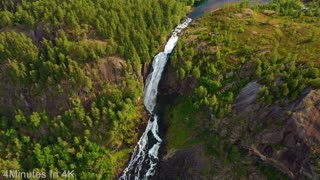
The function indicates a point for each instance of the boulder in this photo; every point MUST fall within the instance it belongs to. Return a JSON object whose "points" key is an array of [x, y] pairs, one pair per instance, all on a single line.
{"points": [[246, 100], [111, 69]]}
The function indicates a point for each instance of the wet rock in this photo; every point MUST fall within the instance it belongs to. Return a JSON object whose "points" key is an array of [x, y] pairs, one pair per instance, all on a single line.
{"points": [[145, 70]]}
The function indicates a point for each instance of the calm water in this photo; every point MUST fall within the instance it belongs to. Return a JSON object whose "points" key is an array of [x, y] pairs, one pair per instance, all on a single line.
{"points": [[210, 5]]}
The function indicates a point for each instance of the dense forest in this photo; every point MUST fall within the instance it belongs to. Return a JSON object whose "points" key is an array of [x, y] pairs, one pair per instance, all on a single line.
{"points": [[71, 82], [274, 47], [71, 86]]}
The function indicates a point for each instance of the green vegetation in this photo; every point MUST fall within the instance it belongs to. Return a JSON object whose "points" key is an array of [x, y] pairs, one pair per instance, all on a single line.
{"points": [[71, 85], [276, 44], [70, 81], [181, 123], [270, 172]]}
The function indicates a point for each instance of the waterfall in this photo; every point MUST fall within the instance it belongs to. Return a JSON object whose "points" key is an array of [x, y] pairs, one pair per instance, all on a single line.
{"points": [[145, 155]]}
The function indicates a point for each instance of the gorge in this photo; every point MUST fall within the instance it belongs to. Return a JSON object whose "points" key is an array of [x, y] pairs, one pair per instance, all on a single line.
{"points": [[83, 88], [145, 155]]}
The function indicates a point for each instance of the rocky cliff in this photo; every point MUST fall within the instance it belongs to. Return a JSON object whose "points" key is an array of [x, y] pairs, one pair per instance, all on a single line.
{"points": [[283, 136], [290, 134]]}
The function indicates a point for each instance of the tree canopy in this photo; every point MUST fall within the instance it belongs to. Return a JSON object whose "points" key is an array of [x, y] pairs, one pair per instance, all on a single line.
{"points": [[71, 83]]}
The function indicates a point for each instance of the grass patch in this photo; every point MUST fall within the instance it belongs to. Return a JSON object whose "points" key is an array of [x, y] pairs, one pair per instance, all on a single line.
{"points": [[181, 130]]}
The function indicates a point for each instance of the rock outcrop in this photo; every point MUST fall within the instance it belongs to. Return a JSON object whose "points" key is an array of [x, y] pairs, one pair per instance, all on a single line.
{"points": [[247, 97], [190, 163], [306, 119], [112, 69], [289, 135], [284, 135]]}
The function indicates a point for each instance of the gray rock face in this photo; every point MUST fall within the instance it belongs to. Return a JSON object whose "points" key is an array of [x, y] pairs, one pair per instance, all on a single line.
{"points": [[187, 164], [306, 119], [285, 140], [284, 134], [247, 98]]}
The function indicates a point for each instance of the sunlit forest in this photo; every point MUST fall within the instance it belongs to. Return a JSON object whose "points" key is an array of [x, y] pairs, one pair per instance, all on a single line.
{"points": [[63, 106], [240, 92]]}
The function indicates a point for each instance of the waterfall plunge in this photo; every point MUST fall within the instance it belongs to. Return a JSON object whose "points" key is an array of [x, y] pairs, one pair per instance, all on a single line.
{"points": [[145, 155]]}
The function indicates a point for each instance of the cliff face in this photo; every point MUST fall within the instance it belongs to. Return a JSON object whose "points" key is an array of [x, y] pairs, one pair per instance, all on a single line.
{"points": [[290, 133], [283, 136], [189, 163], [170, 84], [306, 119], [112, 69]]}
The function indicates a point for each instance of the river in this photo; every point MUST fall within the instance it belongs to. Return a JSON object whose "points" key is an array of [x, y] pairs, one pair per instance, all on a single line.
{"points": [[206, 6]]}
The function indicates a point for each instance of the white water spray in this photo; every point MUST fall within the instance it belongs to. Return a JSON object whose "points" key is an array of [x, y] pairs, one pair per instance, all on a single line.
{"points": [[145, 155]]}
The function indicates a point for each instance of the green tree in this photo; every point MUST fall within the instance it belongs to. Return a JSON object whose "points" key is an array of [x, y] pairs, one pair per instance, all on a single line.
{"points": [[196, 72], [5, 19], [35, 119]]}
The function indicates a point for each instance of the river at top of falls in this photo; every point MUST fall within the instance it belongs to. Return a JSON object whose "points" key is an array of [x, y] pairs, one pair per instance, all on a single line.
{"points": [[207, 6], [145, 155]]}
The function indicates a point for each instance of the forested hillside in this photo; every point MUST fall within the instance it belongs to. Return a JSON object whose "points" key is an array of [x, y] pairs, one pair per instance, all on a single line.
{"points": [[71, 83], [247, 81]]}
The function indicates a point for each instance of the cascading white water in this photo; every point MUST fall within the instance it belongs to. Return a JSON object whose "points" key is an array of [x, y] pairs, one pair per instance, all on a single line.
{"points": [[158, 64], [145, 154]]}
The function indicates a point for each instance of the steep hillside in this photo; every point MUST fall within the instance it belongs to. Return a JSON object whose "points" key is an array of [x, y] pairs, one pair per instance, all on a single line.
{"points": [[71, 81], [246, 80]]}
